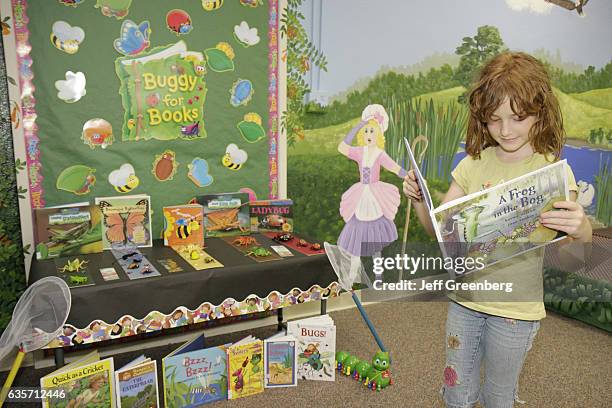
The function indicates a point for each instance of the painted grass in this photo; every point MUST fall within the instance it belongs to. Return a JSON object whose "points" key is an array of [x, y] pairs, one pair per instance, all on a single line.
{"points": [[600, 98], [580, 115]]}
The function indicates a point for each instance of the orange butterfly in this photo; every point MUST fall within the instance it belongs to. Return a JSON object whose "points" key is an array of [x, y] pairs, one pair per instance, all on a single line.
{"points": [[120, 227]]}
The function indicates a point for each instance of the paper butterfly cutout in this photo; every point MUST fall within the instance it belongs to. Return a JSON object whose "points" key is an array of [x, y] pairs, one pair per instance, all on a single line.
{"points": [[134, 38], [120, 227]]}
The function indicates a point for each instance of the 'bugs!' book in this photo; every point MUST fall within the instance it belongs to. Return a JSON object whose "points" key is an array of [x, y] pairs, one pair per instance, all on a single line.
{"points": [[88, 382], [68, 230], [271, 215], [316, 347], [245, 372], [126, 221], [184, 225], [225, 214], [137, 384], [194, 375]]}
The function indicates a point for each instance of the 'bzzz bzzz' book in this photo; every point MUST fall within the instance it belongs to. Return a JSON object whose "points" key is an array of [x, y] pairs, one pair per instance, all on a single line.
{"points": [[126, 221], [245, 372], [316, 347], [137, 384], [184, 225], [194, 375], [68, 230], [88, 382]]}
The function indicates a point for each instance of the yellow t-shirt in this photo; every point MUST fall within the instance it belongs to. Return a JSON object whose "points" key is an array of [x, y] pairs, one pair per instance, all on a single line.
{"points": [[474, 175]]}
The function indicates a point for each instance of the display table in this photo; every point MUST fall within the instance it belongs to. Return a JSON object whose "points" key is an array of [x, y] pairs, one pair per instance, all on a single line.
{"points": [[120, 308]]}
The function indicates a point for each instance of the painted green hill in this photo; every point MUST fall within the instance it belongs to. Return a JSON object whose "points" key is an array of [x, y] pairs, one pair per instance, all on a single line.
{"points": [[580, 115], [444, 97], [601, 98]]}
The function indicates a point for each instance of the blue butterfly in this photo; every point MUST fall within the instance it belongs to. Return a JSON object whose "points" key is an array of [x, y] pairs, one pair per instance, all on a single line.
{"points": [[134, 38]]}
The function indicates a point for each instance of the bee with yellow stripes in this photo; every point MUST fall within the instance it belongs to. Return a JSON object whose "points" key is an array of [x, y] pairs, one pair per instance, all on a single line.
{"points": [[211, 5], [124, 179], [66, 38], [186, 227], [234, 157]]}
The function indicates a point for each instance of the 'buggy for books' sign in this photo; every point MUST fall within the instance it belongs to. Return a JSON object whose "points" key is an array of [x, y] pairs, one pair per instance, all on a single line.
{"points": [[164, 98], [163, 94]]}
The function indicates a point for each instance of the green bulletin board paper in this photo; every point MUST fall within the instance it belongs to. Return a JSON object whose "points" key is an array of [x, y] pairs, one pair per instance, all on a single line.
{"points": [[60, 124]]}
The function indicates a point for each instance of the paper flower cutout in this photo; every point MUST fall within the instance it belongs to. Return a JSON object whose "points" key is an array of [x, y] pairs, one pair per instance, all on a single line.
{"points": [[73, 88], [245, 35]]}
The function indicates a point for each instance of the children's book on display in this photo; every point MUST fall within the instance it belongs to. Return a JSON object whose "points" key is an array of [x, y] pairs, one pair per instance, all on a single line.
{"points": [[136, 384], [184, 225], [316, 347], [195, 375], [67, 230], [499, 222], [126, 221], [245, 372], [280, 361], [88, 382], [271, 216], [225, 214]]}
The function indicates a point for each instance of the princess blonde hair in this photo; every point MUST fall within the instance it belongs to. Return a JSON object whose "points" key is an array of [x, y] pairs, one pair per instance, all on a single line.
{"points": [[380, 137], [524, 80]]}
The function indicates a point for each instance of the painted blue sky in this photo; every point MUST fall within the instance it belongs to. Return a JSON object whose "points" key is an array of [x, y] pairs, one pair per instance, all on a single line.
{"points": [[360, 36]]}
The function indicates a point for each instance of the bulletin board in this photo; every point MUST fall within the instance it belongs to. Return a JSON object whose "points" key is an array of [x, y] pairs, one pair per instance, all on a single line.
{"points": [[172, 99]]}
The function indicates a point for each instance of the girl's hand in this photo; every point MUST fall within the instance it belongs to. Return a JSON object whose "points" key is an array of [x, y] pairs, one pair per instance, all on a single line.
{"points": [[573, 221], [411, 187]]}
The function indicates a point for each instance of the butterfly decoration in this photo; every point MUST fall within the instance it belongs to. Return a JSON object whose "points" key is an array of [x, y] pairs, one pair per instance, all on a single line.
{"points": [[191, 130], [128, 227], [134, 38]]}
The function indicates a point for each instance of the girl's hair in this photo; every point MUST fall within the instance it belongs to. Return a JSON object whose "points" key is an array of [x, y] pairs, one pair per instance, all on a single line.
{"points": [[380, 136], [525, 81]]}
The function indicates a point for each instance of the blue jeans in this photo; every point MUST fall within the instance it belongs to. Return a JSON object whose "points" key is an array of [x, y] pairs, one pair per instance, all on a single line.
{"points": [[474, 338]]}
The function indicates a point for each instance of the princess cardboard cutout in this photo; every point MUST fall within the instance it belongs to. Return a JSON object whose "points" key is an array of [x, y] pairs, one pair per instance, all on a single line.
{"points": [[369, 206]]}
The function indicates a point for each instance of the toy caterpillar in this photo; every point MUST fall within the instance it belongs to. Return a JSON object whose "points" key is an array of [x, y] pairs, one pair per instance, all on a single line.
{"points": [[375, 376]]}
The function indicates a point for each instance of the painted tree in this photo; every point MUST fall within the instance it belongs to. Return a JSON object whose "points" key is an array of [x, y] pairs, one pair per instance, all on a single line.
{"points": [[475, 51], [301, 56]]}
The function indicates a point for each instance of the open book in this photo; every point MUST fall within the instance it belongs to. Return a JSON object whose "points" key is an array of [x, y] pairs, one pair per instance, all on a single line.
{"points": [[500, 222]]}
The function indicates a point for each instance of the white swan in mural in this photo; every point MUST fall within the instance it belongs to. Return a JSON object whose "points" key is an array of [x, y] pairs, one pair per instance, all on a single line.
{"points": [[586, 193]]}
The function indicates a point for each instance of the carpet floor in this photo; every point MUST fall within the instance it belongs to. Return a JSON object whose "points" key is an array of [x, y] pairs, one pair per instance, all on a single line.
{"points": [[570, 364]]}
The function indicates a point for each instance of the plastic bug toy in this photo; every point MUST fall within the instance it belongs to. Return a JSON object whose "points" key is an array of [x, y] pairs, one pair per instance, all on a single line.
{"points": [[78, 280], [244, 241], [315, 247], [375, 376], [283, 237], [259, 252], [302, 243], [74, 266]]}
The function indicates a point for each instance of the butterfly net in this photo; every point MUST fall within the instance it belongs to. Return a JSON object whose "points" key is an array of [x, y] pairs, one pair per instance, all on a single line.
{"points": [[348, 268], [38, 316]]}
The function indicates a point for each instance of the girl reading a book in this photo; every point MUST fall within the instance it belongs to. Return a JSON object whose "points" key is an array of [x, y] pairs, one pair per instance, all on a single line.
{"points": [[515, 127], [369, 206]]}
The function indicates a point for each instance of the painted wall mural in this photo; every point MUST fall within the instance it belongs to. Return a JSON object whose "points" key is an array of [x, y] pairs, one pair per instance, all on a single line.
{"points": [[399, 55]]}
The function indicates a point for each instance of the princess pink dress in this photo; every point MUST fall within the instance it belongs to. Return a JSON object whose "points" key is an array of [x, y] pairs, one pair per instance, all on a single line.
{"points": [[369, 206]]}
